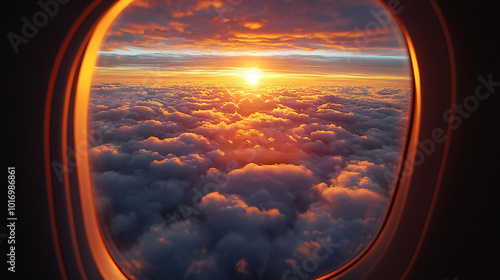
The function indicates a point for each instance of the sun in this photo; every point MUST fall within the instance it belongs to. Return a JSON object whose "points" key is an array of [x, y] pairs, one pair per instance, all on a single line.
{"points": [[252, 78]]}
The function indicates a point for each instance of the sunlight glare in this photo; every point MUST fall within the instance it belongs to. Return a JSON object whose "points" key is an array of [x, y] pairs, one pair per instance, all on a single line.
{"points": [[252, 78]]}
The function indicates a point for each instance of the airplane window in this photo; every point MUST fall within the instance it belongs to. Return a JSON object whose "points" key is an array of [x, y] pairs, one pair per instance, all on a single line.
{"points": [[247, 139]]}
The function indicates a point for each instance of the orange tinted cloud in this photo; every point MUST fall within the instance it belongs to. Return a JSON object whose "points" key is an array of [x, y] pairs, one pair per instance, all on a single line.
{"points": [[305, 25], [212, 40], [258, 173], [253, 25]]}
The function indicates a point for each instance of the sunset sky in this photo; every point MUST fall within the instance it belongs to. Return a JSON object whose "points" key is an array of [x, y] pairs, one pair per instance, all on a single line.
{"points": [[238, 138], [310, 41]]}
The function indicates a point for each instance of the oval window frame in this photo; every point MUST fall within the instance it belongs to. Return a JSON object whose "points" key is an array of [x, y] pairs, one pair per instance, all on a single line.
{"points": [[81, 249]]}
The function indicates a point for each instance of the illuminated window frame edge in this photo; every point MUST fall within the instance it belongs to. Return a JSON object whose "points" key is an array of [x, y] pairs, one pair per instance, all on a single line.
{"points": [[102, 258], [453, 84]]}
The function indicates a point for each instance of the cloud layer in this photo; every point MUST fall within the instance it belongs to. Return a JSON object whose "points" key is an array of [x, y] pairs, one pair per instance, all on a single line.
{"points": [[212, 181], [254, 25]]}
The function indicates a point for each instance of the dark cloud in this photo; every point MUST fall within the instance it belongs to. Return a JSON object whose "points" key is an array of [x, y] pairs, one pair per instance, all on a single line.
{"points": [[206, 181], [253, 25]]}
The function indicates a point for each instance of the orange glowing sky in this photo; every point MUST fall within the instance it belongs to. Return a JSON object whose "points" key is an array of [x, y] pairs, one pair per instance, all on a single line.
{"points": [[320, 42]]}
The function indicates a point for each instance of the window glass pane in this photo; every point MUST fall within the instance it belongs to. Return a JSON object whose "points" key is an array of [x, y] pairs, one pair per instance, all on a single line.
{"points": [[247, 139]]}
